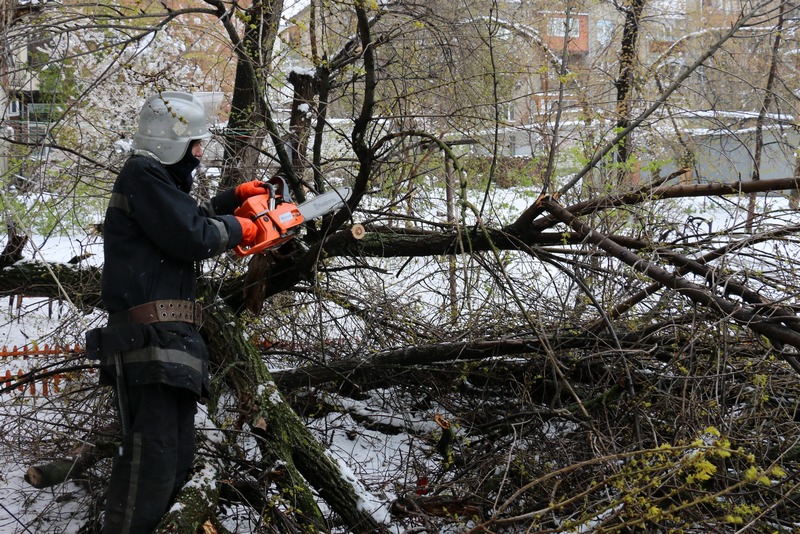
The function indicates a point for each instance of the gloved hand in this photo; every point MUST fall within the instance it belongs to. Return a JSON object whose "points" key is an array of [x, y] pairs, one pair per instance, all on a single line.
{"points": [[250, 189], [249, 232]]}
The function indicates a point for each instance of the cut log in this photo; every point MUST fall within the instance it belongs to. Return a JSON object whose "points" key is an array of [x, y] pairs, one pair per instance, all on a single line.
{"points": [[81, 458]]}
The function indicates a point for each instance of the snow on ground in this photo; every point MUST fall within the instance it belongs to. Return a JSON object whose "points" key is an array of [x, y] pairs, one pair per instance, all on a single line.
{"points": [[59, 509], [29, 321]]}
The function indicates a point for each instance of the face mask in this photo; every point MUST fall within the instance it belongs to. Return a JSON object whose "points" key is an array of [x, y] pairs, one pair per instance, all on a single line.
{"points": [[182, 170]]}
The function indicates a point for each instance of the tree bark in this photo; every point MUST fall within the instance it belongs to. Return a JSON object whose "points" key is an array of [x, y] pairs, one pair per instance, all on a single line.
{"points": [[284, 440], [354, 370], [194, 504], [762, 113], [52, 280], [625, 82], [248, 122], [303, 110]]}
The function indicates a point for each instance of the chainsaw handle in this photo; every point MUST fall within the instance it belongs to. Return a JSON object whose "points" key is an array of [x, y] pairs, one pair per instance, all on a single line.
{"points": [[274, 224], [283, 190], [261, 241], [271, 192], [256, 208]]}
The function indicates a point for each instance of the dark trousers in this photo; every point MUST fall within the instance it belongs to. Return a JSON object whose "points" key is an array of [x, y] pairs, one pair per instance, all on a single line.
{"points": [[156, 458]]}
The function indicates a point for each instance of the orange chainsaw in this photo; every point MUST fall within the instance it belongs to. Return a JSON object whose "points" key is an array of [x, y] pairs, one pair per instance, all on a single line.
{"points": [[278, 218]]}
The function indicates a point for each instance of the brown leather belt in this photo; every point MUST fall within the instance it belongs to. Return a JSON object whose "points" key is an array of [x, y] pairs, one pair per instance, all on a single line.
{"points": [[184, 311]]}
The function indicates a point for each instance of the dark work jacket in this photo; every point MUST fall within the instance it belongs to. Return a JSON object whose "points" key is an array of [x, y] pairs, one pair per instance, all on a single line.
{"points": [[154, 233]]}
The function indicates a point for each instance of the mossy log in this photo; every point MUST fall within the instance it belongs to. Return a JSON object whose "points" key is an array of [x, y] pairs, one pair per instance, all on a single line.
{"points": [[193, 505], [284, 440]]}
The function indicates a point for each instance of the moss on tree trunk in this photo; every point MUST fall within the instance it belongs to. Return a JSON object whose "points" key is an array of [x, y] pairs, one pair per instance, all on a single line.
{"points": [[194, 504], [286, 444]]}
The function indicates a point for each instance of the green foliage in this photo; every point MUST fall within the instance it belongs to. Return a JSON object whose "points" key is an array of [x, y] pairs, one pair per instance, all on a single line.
{"points": [[57, 84], [62, 207]]}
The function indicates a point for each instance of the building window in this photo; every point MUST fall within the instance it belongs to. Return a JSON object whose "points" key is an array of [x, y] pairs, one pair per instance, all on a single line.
{"points": [[605, 31], [556, 27], [508, 111]]}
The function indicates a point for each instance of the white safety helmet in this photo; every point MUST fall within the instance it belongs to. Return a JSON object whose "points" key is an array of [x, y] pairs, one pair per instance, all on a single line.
{"points": [[168, 122]]}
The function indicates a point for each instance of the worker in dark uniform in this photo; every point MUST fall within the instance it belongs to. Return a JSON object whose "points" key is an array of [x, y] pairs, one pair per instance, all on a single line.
{"points": [[151, 351]]}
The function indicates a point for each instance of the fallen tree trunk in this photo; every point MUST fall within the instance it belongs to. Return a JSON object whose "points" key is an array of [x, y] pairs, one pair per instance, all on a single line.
{"points": [[82, 283], [354, 370], [194, 504], [668, 191], [283, 439]]}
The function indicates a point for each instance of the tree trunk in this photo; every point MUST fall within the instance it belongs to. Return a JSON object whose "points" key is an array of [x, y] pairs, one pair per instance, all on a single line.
{"points": [[625, 82], [285, 441], [247, 126], [303, 111], [194, 504], [762, 114]]}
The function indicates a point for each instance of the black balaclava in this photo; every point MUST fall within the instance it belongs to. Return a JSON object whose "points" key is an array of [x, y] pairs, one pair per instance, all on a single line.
{"points": [[182, 170]]}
